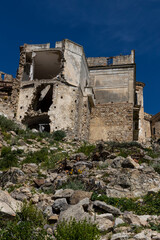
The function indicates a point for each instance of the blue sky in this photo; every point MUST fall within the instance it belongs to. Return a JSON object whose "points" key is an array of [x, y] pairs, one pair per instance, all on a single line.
{"points": [[103, 27]]}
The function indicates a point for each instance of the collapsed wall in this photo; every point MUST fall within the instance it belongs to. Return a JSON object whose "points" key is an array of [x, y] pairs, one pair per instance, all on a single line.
{"points": [[53, 93], [6, 86]]}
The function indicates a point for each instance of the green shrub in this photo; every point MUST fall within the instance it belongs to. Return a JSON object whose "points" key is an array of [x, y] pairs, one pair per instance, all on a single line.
{"points": [[37, 157], [81, 230], [151, 153], [150, 204], [87, 149], [59, 135], [155, 227], [8, 158], [50, 163], [8, 125], [30, 213], [156, 167], [123, 144], [74, 184], [6, 136], [27, 225]]}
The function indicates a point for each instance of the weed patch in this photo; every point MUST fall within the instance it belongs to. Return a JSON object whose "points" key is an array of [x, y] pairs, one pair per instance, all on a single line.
{"points": [[150, 204], [28, 224], [81, 230], [87, 149]]}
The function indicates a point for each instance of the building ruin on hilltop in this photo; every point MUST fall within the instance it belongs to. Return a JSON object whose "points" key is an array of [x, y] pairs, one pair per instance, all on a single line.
{"points": [[89, 98]]}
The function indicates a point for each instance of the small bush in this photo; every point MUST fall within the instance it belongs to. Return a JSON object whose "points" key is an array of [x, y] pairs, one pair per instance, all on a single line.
{"points": [[8, 158], [155, 227], [124, 144], [30, 213], [150, 204], [156, 167], [37, 157], [81, 230], [87, 149], [27, 225], [74, 184], [59, 135], [50, 163], [151, 153], [8, 125]]}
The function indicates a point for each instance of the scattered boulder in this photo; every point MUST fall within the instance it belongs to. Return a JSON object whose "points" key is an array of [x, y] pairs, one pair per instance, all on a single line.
{"points": [[120, 236], [75, 211], [107, 208], [59, 205], [8, 205], [78, 195], [116, 163], [118, 221], [104, 224], [13, 175], [63, 193], [129, 163], [30, 168], [39, 181]]}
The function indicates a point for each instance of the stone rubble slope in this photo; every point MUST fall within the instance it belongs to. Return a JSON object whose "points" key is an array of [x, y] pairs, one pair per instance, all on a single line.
{"points": [[104, 171]]}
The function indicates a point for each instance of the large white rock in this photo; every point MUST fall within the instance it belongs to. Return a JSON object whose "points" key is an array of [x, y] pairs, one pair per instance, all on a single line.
{"points": [[8, 205]]}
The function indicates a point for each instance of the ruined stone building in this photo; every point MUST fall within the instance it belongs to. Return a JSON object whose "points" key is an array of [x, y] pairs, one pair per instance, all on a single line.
{"points": [[89, 98]]}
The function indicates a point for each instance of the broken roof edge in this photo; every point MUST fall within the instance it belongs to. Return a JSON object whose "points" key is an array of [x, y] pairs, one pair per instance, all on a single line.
{"points": [[68, 40], [140, 84], [60, 44], [131, 53], [156, 116], [32, 47]]}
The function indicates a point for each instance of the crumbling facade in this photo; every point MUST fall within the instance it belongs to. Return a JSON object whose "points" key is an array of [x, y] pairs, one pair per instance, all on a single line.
{"points": [[54, 89], [90, 98], [155, 126]]}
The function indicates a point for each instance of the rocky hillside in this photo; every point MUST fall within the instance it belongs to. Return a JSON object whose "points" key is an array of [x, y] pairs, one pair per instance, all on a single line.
{"points": [[52, 188]]}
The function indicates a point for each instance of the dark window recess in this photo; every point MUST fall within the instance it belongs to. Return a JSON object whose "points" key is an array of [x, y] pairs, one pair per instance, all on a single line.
{"points": [[2, 76], [154, 131], [41, 123], [45, 103], [89, 106], [27, 67], [136, 99]]}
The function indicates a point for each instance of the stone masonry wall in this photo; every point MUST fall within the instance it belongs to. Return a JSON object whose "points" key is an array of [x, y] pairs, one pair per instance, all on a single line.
{"points": [[112, 122], [16, 84], [157, 130]]}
